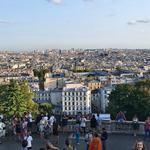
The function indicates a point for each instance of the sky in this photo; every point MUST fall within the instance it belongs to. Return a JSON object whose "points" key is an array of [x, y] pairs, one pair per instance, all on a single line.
{"points": [[42, 24]]}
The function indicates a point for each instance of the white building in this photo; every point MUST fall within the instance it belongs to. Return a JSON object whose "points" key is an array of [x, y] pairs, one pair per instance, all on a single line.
{"points": [[76, 98], [51, 96], [105, 92]]}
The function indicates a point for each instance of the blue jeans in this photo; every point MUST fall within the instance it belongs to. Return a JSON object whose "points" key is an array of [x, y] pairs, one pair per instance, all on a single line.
{"points": [[147, 133], [77, 137]]}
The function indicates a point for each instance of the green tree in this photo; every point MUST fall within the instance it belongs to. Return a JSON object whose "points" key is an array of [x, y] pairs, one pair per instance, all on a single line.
{"points": [[131, 99], [45, 108], [15, 98], [41, 76]]}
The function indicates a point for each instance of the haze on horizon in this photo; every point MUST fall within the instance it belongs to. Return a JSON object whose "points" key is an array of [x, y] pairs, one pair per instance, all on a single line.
{"points": [[37, 24]]}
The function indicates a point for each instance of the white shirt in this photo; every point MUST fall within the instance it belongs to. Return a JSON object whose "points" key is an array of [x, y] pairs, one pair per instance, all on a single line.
{"points": [[83, 122], [30, 117], [51, 120], [29, 140]]}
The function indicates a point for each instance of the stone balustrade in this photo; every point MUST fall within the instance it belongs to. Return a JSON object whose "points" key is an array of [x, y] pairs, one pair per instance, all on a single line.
{"points": [[112, 126]]}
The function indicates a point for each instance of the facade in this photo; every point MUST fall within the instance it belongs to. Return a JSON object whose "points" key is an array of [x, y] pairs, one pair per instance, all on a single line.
{"points": [[93, 85], [51, 96], [76, 98], [105, 92], [95, 101]]}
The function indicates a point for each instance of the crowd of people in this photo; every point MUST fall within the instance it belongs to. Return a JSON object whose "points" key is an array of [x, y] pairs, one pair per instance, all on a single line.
{"points": [[95, 136]]}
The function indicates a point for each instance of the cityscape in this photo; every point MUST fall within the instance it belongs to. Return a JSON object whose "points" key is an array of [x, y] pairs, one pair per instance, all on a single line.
{"points": [[74, 75]]}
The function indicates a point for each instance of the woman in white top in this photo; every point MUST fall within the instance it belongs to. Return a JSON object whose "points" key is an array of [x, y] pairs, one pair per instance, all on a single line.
{"points": [[83, 124]]}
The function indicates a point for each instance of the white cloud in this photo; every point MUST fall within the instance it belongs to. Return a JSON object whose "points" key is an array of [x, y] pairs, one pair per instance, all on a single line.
{"points": [[58, 2], [142, 21], [5, 22]]}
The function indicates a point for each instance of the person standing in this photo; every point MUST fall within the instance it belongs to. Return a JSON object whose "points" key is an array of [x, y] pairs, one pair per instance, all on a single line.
{"points": [[77, 133], [88, 139], [96, 143], [55, 131], [2, 129], [104, 137], [29, 140], [147, 128], [83, 124], [24, 145], [135, 122], [93, 122], [68, 146]]}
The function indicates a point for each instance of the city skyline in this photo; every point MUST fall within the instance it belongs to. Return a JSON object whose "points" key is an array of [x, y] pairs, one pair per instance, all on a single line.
{"points": [[37, 24]]}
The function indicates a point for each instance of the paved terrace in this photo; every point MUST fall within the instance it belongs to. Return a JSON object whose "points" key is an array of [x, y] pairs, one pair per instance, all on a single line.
{"points": [[119, 138]]}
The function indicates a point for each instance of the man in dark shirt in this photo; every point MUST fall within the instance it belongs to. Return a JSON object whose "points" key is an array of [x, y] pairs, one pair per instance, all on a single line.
{"points": [[104, 137]]}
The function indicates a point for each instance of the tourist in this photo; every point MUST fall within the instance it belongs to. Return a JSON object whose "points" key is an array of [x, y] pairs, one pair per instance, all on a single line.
{"points": [[120, 118], [30, 120], [55, 131], [135, 122], [139, 145], [83, 124], [29, 140], [41, 127], [68, 145], [2, 129], [24, 145], [49, 146], [64, 123], [99, 122], [51, 121], [147, 128], [88, 138], [104, 137], [96, 143], [77, 133], [18, 130], [93, 122]]}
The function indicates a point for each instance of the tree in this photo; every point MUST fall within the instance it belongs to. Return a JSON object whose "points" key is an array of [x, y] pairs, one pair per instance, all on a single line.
{"points": [[45, 108], [41, 76], [131, 99], [16, 98]]}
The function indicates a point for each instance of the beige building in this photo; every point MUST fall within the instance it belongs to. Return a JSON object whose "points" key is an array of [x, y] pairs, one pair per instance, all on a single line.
{"points": [[93, 85]]}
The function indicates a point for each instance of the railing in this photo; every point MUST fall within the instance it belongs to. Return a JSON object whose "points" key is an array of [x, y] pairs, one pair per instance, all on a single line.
{"points": [[112, 126]]}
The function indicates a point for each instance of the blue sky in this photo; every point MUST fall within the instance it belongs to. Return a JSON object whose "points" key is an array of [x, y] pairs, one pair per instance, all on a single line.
{"points": [[33, 24]]}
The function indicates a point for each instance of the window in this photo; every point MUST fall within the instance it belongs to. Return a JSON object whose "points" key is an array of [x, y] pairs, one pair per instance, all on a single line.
{"points": [[72, 103]]}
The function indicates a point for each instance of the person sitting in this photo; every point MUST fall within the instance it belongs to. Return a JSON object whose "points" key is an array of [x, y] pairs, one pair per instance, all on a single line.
{"points": [[120, 118]]}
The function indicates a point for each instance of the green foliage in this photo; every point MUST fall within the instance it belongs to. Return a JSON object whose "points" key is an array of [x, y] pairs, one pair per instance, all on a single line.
{"points": [[41, 76], [131, 99], [45, 108], [16, 98]]}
